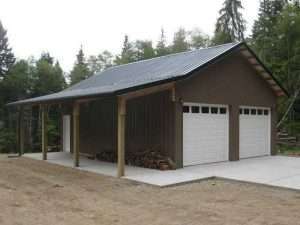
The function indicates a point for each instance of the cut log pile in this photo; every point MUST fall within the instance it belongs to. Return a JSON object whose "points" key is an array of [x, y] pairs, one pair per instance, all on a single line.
{"points": [[150, 158], [284, 139]]}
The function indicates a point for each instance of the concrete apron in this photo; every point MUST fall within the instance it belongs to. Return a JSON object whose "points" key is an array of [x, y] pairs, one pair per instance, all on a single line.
{"points": [[279, 171]]}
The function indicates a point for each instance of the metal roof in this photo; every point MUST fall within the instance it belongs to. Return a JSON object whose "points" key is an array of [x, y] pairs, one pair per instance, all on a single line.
{"points": [[126, 77]]}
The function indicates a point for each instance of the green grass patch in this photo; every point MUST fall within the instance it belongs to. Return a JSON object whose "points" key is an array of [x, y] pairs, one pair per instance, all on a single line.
{"points": [[289, 150]]}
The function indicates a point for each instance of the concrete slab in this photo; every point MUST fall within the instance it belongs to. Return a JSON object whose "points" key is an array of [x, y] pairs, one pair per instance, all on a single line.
{"points": [[96, 166], [278, 171]]}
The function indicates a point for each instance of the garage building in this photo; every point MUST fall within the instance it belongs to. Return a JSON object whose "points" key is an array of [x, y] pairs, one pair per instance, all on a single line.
{"points": [[202, 106]]}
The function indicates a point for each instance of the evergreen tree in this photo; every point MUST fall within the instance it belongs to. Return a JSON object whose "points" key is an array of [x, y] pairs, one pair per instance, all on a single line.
{"points": [[80, 69], [264, 29], [128, 54], [230, 25], [100, 62], [286, 58], [17, 84], [276, 40], [48, 77], [180, 43], [7, 58], [161, 47], [198, 39], [144, 50]]}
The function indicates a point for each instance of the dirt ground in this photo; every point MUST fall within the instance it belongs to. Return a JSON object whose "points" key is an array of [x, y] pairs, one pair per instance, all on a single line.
{"points": [[34, 192]]}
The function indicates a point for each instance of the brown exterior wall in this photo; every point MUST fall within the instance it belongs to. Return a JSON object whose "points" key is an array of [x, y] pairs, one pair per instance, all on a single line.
{"points": [[98, 126], [149, 125], [232, 82]]}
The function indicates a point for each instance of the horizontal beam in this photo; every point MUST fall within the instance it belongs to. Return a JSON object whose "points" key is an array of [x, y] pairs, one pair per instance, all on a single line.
{"points": [[84, 100], [280, 93], [147, 91]]}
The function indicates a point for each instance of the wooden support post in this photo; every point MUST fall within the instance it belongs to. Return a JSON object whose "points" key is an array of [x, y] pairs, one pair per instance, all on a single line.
{"points": [[76, 110], [18, 132], [21, 131], [44, 131], [121, 136]]}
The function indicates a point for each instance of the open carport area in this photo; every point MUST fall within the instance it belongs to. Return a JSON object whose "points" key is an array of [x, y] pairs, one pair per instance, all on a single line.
{"points": [[278, 171]]}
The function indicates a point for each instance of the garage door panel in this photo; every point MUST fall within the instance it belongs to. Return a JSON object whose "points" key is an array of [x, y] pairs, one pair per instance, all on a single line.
{"points": [[205, 137], [254, 133]]}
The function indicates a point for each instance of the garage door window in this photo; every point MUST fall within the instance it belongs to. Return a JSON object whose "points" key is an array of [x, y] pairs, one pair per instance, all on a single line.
{"points": [[195, 109], [204, 109], [259, 112], [223, 110], [253, 111], [186, 109], [214, 110]]}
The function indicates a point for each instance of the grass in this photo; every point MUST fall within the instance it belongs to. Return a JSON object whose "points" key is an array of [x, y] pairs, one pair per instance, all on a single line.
{"points": [[289, 150]]}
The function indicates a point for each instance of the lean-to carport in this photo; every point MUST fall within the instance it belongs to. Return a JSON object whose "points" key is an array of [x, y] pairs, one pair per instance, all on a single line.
{"points": [[122, 100]]}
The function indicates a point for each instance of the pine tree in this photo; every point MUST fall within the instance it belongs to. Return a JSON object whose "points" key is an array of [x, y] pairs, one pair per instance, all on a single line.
{"points": [[264, 28], [80, 69], [100, 62], [48, 76], [128, 54], [7, 58], [144, 50], [198, 39], [161, 47], [230, 25], [180, 43], [286, 58]]}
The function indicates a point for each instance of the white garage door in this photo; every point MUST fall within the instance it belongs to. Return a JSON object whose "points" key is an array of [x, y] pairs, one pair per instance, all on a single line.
{"points": [[255, 130], [205, 134]]}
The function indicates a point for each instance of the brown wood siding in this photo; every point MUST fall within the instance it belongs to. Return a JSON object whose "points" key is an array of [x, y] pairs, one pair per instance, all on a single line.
{"points": [[98, 126], [149, 122], [149, 125]]}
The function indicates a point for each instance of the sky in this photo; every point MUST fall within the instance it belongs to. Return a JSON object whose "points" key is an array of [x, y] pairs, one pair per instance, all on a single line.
{"points": [[62, 26]]}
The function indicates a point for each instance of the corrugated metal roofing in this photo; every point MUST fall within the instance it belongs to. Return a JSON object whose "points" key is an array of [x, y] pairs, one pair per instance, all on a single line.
{"points": [[146, 72]]}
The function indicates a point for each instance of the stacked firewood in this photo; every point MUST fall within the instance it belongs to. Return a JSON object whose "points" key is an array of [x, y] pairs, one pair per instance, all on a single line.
{"points": [[285, 139], [150, 158]]}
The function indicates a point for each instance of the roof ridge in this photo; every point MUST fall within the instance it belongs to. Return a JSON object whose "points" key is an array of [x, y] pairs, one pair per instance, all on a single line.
{"points": [[169, 55]]}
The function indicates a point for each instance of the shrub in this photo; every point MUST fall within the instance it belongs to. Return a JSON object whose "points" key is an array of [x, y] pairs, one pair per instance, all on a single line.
{"points": [[7, 140]]}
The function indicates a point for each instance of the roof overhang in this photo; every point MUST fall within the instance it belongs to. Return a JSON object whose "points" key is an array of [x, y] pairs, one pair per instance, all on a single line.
{"points": [[262, 70]]}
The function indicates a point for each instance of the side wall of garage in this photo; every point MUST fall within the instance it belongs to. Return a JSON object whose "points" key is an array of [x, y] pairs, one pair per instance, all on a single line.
{"points": [[232, 81], [149, 125]]}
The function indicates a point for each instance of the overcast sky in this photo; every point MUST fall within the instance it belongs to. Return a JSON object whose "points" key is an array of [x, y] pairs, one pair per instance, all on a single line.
{"points": [[61, 26]]}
